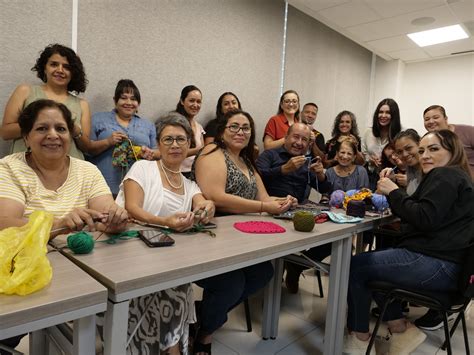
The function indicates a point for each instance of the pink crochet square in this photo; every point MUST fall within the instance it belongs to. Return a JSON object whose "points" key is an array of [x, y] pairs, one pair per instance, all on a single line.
{"points": [[259, 227]]}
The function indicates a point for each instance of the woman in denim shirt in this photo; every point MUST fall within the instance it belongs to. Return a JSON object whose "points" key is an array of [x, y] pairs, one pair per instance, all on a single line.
{"points": [[121, 125]]}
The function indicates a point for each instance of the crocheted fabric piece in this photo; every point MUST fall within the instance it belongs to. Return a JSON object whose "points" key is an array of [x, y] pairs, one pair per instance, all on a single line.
{"points": [[260, 227]]}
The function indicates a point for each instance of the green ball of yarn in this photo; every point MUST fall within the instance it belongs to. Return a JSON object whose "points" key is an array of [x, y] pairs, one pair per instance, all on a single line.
{"points": [[303, 221], [80, 243]]}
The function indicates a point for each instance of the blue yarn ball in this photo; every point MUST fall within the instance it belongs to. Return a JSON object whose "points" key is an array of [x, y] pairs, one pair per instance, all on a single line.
{"points": [[351, 192], [380, 202], [337, 198]]}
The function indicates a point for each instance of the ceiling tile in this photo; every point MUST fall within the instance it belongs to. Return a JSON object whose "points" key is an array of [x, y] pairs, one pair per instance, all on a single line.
{"points": [[391, 8], [375, 30], [392, 44], [349, 14], [409, 54], [442, 49], [463, 9], [316, 5]]}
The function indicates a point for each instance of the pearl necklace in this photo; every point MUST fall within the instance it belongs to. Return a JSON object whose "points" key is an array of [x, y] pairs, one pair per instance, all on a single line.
{"points": [[163, 167]]}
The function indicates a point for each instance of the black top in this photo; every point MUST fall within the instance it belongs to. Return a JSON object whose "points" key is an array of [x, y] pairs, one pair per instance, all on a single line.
{"points": [[211, 128], [320, 142], [438, 219]]}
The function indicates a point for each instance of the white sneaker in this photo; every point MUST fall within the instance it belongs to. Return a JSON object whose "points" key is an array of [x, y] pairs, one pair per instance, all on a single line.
{"points": [[406, 342], [354, 346]]}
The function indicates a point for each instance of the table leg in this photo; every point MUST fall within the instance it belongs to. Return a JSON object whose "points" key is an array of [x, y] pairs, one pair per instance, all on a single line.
{"points": [[115, 330], [84, 336], [276, 298], [38, 342], [337, 298], [268, 307]]}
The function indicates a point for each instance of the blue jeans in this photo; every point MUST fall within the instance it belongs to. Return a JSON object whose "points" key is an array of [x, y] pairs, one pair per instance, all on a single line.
{"points": [[225, 291], [401, 267]]}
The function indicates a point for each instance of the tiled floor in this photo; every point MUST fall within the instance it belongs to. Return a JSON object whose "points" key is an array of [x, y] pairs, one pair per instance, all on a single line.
{"points": [[301, 327]]}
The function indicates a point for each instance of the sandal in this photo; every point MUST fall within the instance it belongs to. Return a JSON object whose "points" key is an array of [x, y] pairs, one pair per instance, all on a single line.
{"points": [[201, 348]]}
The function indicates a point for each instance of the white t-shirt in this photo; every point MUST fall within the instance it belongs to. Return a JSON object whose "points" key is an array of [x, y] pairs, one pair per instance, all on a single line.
{"points": [[156, 199]]}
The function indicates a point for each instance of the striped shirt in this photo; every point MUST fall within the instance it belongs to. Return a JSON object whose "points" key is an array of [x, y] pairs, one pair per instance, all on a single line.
{"points": [[19, 182]]}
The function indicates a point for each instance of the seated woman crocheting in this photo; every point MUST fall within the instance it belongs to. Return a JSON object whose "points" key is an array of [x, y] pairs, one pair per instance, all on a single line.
{"points": [[346, 175], [156, 192], [47, 178], [437, 225], [226, 173]]}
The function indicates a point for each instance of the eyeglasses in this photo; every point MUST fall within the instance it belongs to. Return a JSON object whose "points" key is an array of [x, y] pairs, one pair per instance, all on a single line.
{"points": [[168, 140], [288, 101], [235, 128]]}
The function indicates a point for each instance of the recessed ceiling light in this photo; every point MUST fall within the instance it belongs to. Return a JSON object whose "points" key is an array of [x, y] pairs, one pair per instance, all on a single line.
{"points": [[438, 35], [423, 21]]}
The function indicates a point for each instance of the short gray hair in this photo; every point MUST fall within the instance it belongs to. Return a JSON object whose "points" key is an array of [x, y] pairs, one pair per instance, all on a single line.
{"points": [[174, 119]]}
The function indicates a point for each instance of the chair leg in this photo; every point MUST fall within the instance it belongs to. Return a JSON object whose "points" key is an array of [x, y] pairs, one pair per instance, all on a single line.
{"points": [[247, 315], [447, 335], [320, 283], [377, 325], [464, 330], [453, 329]]}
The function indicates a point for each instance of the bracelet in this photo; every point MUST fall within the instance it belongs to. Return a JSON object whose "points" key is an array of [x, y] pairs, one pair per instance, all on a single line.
{"points": [[261, 207], [77, 136]]}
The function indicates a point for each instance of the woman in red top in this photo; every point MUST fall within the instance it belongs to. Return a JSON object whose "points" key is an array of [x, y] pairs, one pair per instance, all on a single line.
{"points": [[277, 126]]}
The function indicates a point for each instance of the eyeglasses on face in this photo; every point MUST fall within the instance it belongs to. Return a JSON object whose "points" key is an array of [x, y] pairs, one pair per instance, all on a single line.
{"points": [[168, 140], [235, 128], [288, 101]]}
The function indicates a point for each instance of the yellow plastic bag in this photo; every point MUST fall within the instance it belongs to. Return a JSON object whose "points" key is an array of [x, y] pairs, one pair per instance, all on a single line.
{"points": [[24, 266]]}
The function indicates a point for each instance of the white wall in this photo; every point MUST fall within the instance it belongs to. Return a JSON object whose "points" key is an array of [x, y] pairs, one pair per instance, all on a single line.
{"points": [[447, 82]]}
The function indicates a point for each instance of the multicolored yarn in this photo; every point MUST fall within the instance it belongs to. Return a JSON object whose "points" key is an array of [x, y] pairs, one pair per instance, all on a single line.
{"points": [[337, 198]]}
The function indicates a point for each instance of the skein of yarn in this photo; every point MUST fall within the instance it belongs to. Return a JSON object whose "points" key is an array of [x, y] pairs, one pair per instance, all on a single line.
{"points": [[303, 221], [80, 243], [337, 198]]}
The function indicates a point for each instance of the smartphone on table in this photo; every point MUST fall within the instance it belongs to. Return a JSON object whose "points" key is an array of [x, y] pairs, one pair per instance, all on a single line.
{"points": [[155, 239]]}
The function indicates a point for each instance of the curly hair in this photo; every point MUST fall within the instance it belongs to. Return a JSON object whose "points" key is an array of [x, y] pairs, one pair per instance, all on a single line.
{"points": [[78, 81], [337, 121]]}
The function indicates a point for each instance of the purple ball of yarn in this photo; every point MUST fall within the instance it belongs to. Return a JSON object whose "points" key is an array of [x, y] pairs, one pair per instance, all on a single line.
{"points": [[351, 192], [380, 202], [337, 198]]}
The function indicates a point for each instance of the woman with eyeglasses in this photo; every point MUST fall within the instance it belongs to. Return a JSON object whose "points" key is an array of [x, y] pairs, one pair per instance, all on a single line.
{"points": [[277, 126], [156, 192], [226, 173], [189, 105]]}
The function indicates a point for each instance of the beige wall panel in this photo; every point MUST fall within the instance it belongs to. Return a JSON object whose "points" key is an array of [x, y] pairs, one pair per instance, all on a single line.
{"points": [[326, 68], [164, 45], [27, 27]]}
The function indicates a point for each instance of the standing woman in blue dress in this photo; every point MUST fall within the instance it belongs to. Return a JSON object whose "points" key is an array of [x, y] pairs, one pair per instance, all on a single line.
{"points": [[110, 129]]}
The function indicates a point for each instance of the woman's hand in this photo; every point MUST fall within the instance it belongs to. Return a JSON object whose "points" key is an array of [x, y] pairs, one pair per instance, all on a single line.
{"points": [[147, 153], [78, 218], [279, 205], [400, 179], [386, 173], [204, 211], [375, 160], [115, 221], [116, 137], [180, 221], [385, 186]]}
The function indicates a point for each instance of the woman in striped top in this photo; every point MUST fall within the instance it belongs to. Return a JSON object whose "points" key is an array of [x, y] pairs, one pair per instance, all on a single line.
{"points": [[46, 178]]}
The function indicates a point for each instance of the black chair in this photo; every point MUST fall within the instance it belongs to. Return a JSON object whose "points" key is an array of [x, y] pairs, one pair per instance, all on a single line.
{"points": [[447, 302], [318, 266], [247, 315]]}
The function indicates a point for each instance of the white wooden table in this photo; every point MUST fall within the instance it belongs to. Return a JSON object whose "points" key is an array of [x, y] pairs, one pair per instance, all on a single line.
{"points": [[130, 269], [72, 295]]}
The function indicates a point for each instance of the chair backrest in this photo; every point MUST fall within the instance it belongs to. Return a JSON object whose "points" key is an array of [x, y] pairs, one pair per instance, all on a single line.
{"points": [[466, 281]]}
